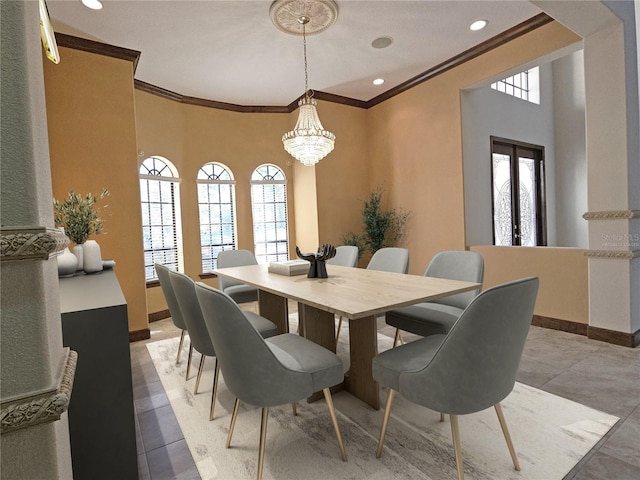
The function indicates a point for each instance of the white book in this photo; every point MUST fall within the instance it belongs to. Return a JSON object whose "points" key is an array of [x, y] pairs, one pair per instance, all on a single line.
{"points": [[289, 268]]}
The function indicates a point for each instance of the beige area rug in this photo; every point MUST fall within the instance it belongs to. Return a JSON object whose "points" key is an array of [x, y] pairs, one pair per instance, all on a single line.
{"points": [[550, 434]]}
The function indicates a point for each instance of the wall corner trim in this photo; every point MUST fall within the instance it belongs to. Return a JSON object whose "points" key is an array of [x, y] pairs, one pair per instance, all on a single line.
{"points": [[31, 243], [45, 406]]}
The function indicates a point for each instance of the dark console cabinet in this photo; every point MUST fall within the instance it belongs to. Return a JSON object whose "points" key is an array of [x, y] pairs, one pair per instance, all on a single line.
{"points": [[101, 411]]}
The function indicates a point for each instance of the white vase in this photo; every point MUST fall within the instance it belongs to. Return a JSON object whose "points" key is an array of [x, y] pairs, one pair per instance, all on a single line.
{"points": [[77, 251], [91, 258], [67, 263]]}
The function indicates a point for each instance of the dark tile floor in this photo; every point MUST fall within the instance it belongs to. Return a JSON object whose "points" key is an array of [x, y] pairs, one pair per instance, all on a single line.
{"points": [[596, 374]]}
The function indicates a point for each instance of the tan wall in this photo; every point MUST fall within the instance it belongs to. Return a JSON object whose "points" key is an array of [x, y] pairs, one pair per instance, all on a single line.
{"points": [[415, 144], [92, 140], [563, 273]]}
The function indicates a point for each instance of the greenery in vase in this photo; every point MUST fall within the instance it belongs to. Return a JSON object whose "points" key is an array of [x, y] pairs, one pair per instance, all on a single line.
{"points": [[382, 228], [79, 215]]}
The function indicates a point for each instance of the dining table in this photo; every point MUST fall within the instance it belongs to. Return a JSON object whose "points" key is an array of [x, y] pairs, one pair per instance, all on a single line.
{"points": [[357, 294]]}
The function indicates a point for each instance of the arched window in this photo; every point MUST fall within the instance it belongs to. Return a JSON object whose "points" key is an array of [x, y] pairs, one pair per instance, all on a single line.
{"points": [[161, 225], [269, 207], [217, 209]]}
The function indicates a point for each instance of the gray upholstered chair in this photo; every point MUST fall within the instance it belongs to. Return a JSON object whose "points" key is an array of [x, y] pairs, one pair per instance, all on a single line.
{"points": [[184, 289], [266, 372], [346, 256], [471, 368], [174, 307], [240, 292], [438, 316], [390, 259]]}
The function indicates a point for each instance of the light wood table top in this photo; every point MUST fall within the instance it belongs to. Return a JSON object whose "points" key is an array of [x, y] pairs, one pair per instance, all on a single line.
{"points": [[351, 292]]}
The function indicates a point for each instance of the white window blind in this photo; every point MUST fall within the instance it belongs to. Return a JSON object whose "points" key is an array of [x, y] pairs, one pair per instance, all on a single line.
{"points": [[216, 207], [161, 225], [269, 208]]}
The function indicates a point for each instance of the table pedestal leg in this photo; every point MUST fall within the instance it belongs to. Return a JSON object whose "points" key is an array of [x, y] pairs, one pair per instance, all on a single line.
{"points": [[363, 346], [274, 308]]}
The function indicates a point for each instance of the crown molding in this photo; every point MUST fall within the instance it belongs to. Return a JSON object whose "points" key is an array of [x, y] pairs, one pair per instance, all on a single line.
{"points": [[508, 35], [91, 46]]}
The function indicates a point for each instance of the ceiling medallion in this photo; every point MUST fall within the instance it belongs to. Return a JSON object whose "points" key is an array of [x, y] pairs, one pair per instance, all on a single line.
{"points": [[285, 15]]}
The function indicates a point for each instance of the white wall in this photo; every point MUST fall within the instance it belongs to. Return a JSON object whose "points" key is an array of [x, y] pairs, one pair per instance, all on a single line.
{"points": [[570, 151], [487, 112]]}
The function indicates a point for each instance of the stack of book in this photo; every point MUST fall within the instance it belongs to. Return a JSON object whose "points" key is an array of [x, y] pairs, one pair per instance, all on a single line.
{"points": [[290, 267]]}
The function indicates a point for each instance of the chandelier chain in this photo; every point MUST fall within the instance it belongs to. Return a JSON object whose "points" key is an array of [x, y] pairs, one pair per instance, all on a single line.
{"points": [[304, 44]]}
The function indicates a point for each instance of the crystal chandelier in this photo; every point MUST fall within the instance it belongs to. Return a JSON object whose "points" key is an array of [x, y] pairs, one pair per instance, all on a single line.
{"points": [[308, 142]]}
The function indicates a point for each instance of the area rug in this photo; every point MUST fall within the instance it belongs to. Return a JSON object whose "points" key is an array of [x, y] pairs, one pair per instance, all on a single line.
{"points": [[550, 434]]}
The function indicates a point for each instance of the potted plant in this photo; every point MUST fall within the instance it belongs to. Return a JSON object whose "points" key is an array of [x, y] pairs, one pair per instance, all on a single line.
{"points": [[382, 228], [80, 218]]}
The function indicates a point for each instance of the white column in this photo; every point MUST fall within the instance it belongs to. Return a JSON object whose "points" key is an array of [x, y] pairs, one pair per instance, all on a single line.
{"points": [[37, 373]]}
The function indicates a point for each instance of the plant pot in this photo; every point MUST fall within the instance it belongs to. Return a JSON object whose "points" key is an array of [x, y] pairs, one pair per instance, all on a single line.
{"points": [[67, 263], [77, 251]]}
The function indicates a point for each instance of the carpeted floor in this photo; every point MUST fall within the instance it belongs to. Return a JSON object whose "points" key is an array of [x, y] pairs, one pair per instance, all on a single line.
{"points": [[550, 434]]}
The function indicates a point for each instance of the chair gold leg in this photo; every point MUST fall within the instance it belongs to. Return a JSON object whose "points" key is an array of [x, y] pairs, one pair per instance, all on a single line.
{"points": [[214, 393], [334, 420], [189, 360], [397, 337], [234, 415], [338, 329], [507, 437], [263, 437], [200, 368], [385, 422], [294, 408], [441, 417], [180, 346], [455, 432]]}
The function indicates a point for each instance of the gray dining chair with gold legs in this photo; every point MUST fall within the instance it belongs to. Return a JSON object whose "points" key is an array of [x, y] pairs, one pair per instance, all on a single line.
{"points": [[174, 309], [266, 372], [438, 316], [184, 289], [346, 256], [240, 292], [471, 368]]}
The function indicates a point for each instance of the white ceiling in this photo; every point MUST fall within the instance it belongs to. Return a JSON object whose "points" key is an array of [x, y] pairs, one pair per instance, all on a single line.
{"points": [[229, 51]]}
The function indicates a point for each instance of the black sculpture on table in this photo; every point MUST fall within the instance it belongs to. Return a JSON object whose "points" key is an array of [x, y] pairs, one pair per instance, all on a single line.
{"points": [[318, 268]]}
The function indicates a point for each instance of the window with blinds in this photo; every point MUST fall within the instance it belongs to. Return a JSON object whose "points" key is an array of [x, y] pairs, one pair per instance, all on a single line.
{"points": [[269, 208], [161, 225], [216, 207]]}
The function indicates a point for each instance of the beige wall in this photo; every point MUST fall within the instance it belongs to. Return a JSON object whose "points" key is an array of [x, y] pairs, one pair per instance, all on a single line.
{"points": [[92, 141], [564, 286], [415, 144], [411, 145]]}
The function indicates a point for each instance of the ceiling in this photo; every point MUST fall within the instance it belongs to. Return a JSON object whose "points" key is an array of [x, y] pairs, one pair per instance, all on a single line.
{"points": [[230, 51]]}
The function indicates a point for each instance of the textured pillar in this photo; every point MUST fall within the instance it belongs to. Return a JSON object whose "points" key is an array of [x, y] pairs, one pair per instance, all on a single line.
{"points": [[37, 372]]}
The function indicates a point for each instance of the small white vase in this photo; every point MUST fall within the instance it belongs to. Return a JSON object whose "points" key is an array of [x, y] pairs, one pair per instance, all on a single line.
{"points": [[77, 251], [92, 259], [67, 263]]}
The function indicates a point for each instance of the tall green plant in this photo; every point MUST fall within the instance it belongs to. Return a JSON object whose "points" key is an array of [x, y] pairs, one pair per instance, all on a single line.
{"points": [[79, 215], [382, 228]]}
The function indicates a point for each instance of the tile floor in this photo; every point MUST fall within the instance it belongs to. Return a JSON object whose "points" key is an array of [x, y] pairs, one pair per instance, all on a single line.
{"points": [[597, 374]]}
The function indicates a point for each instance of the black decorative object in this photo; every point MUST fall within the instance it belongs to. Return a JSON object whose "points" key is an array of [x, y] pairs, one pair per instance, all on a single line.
{"points": [[318, 267]]}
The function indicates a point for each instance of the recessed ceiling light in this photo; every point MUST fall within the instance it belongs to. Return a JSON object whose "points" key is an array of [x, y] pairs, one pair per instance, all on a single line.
{"points": [[378, 81], [478, 25], [92, 4], [382, 42]]}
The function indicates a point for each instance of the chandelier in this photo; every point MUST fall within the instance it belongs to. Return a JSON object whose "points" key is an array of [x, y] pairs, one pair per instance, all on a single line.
{"points": [[308, 142]]}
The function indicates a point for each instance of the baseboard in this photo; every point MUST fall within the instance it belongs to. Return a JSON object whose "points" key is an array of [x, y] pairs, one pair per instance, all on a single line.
{"points": [[161, 315], [631, 340], [562, 325], [138, 335], [617, 338]]}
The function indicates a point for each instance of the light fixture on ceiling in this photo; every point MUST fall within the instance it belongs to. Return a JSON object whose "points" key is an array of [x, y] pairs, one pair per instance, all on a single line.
{"points": [[92, 4], [308, 142], [478, 25], [378, 81]]}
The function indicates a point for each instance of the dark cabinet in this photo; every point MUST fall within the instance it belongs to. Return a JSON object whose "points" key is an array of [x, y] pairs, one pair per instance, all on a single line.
{"points": [[101, 411]]}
